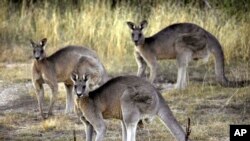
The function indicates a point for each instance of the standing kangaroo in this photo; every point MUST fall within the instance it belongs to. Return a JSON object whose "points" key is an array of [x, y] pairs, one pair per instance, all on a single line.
{"points": [[128, 98], [56, 68], [181, 41]]}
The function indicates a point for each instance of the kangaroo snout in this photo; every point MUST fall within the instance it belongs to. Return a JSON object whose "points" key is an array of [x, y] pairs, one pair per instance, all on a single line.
{"points": [[136, 42], [78, 94], [82, 94], [37, 57], [80, 90]]}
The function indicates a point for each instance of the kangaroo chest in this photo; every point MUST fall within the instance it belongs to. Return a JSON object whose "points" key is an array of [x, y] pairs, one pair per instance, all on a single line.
{"points": [[91, 109]]}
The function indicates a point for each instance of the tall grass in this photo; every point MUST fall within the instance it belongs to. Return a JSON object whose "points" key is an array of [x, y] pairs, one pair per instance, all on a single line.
{"points": [[104, 29]]}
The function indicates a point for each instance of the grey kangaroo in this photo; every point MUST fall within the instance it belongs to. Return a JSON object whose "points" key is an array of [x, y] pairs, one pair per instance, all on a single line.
{"points": [[128, 98], [183, 42], [92, 67], [56, 68]]}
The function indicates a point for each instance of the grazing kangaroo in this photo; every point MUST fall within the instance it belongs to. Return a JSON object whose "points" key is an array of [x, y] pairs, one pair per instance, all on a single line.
{"points": [[183, 42], [128, 98], [56, 68]]}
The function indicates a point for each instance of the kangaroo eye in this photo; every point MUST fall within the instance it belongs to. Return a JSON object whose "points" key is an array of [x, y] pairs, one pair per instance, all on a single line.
{"points": [[140, 34], [41, 51]]}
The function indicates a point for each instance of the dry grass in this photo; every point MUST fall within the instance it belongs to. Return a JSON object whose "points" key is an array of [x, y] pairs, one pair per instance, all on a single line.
{"points": [[58, 123], [211, 108], [104, 29], [15, 72]]}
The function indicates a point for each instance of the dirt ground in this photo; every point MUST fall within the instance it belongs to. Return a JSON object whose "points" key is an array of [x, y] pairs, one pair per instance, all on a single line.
{"points": [[211, 109], [20, 119], [19, 109]]}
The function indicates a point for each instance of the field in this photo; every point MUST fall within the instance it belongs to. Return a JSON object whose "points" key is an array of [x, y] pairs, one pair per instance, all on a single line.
{"points": [[103, 28]]}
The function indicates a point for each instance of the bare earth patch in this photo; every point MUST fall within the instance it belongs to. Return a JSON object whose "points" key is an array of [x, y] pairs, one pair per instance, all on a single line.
{"points": [[211, 109]]}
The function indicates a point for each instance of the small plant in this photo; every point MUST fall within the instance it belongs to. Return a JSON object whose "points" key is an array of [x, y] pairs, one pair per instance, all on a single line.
{"points": [[49, 124]]}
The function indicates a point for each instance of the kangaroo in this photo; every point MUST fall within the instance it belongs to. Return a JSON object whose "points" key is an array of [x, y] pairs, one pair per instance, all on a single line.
{"points": [[180, 41], [128, 98], [94, 69], [56, 68]]}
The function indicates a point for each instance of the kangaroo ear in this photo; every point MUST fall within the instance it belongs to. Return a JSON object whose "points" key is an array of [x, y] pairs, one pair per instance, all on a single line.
{"points": [[74, 77], [87, 77], [143, 24], [131, 25], [32, 43], [43, 41]]}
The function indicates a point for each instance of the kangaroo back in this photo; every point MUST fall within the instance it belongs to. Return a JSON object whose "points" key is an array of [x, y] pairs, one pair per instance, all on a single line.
{"points": [[65, 59]]}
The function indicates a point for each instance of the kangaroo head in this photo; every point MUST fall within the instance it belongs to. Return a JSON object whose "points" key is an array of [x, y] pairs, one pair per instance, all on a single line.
{"points": [[137, 34], [80, 84], [38, 49]]}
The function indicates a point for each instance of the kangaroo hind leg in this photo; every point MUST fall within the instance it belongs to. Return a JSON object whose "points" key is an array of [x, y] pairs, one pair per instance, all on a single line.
{"points": [[124, 131], [69, 99], [153, 65], [182, 62], [131, 117]]}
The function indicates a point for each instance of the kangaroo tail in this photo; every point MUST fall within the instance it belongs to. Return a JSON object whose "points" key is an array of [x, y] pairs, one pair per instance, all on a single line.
{"points": [[169, 121], [219, 69]]}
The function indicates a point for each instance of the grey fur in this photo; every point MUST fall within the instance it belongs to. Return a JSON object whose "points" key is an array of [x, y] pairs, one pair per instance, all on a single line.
{"points": [[128, 98], [56, 68], [92, 68], [183, 42]]}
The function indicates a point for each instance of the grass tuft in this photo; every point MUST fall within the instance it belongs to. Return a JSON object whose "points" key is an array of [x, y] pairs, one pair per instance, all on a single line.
{"points": [[98, 26]]}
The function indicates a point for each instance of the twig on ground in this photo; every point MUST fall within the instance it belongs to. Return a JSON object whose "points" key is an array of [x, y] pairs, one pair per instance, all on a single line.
{"points": [[188, 130]]}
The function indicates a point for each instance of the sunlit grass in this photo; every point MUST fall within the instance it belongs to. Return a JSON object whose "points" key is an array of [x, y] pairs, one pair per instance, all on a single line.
{"points": [[211, 108], [56, 123], [103, 29], [15, 72]]}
